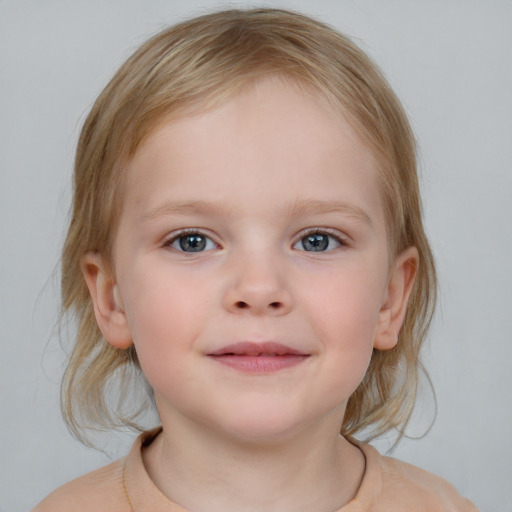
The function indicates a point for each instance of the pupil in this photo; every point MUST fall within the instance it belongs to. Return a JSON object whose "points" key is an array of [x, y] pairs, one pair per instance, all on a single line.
{"points": [[316, 242], [192, 243]]}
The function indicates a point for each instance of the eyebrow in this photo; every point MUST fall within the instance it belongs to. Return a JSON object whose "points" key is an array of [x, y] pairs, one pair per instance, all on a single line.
{"points": [[320, 206], [300, 207], [185, 208]]}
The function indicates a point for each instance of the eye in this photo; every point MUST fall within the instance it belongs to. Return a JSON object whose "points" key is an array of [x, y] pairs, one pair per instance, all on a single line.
{"points": [[318, 242], [192, 241]]}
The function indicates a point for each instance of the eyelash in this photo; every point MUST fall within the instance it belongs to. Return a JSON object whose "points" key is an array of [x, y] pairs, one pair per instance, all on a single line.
{"points": [[331, 234], [188, 232]]}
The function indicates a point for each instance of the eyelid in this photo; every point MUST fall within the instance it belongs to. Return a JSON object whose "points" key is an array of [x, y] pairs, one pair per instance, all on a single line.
{"points": [[175, 235], [334, 233], [339, 236]]}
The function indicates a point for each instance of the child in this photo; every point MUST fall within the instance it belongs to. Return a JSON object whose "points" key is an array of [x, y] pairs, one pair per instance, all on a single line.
{"points": [[247, 240]]}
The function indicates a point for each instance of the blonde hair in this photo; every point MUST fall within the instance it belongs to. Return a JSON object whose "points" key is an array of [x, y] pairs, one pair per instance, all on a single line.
{"points": [[195, 65]]}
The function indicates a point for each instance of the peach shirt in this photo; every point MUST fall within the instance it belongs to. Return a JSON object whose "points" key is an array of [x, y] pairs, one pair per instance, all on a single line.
{"points": [[388, 486]]}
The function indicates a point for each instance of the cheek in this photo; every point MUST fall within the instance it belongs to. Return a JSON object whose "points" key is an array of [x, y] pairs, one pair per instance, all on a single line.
{"points": [[344, 316], [345, 310], [164, 321]]}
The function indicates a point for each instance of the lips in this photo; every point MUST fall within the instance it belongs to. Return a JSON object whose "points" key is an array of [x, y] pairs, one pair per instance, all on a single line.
{"points": [[256, 349], [258, 357]]}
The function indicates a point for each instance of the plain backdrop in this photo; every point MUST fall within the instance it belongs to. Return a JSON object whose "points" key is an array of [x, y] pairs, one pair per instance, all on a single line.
{"points": [[451, 64]]}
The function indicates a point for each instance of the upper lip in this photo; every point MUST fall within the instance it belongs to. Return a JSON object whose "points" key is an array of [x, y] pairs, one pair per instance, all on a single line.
{"points": [[248, 348]]}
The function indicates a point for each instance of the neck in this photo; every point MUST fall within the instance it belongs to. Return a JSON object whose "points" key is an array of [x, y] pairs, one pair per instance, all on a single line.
{"points": [[315, 469]]}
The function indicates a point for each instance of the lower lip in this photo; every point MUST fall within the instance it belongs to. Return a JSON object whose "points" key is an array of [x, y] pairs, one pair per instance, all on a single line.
{"points": [[260, 364]]}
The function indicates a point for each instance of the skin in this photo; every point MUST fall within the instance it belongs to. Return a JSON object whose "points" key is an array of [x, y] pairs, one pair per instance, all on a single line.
{"points": [[253, 178]]}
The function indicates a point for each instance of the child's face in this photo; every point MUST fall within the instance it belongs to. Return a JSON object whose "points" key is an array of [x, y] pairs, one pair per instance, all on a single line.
{"points": [[257, 223]]}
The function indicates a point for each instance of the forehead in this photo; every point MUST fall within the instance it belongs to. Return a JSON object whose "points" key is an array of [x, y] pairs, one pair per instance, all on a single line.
{"points": [[272, 135]]}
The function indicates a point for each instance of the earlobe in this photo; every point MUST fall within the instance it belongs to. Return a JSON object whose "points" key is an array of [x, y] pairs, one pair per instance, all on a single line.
{"points": [[395, 302], [107, 301]]}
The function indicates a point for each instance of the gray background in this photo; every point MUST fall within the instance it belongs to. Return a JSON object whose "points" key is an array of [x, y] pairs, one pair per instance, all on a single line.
{"points": [[449, 61]]}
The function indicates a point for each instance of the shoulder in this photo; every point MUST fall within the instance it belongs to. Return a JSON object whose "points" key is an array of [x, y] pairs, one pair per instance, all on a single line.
{"points": [[106, 489], [419, 483], [99, 491], [409, 488]]}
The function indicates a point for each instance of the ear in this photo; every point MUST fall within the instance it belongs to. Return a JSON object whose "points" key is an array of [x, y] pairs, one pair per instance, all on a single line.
{"points": [[108, 306], [394, 306]]}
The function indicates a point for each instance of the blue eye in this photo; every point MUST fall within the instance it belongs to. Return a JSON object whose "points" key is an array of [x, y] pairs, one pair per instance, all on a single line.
{"points": [[318, 242], [192, 242]]}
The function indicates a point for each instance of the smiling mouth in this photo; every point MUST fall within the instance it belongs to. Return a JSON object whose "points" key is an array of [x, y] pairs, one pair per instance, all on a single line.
{"points": [[251, 357]]}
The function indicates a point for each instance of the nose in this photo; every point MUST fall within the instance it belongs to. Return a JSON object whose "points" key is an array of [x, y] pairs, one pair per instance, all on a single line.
{"points": [[257, 286]]}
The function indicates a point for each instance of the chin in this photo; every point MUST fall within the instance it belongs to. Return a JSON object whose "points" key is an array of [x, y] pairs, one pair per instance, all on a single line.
{"points": [[262, 426]]}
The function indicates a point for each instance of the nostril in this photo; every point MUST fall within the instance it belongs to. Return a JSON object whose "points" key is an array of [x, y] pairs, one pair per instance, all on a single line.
{"points": [[277, 305]]}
